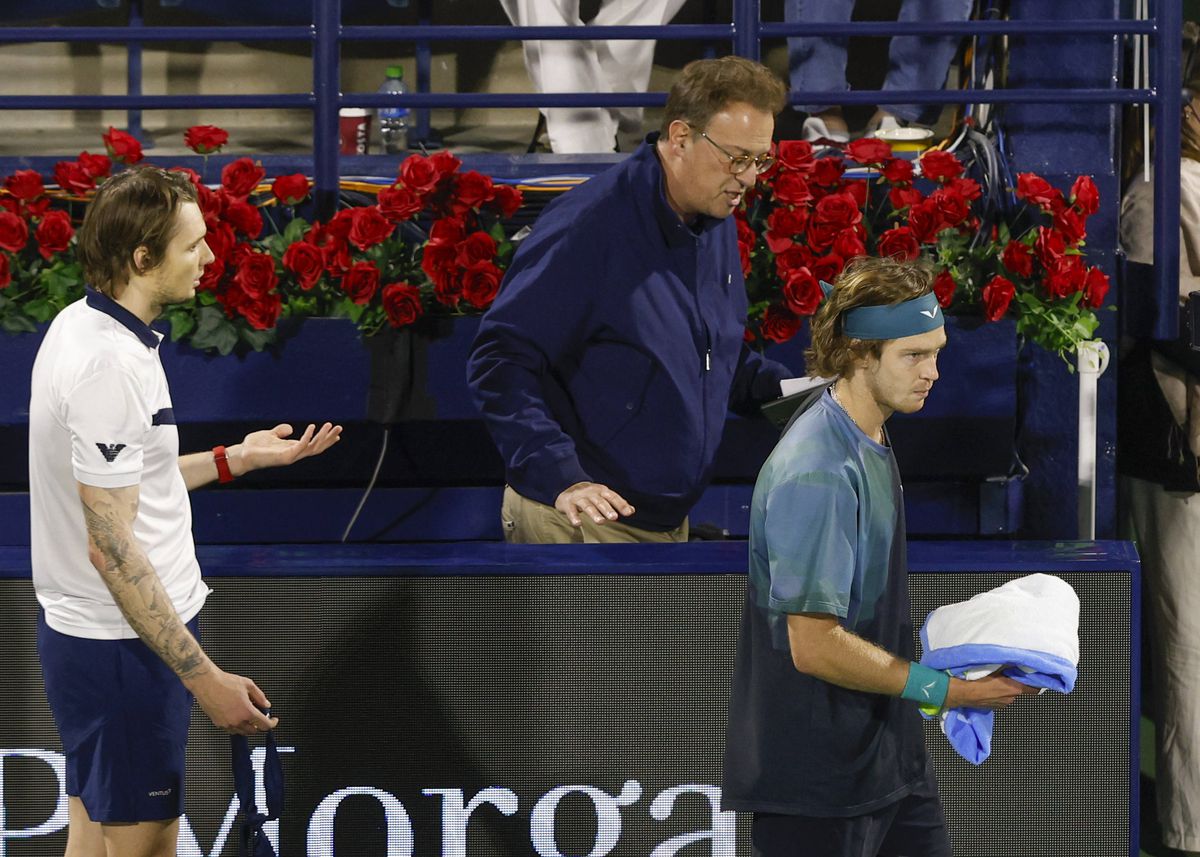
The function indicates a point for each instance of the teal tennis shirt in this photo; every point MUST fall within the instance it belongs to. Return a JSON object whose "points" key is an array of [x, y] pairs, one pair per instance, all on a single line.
{"points": [[826, 536]]}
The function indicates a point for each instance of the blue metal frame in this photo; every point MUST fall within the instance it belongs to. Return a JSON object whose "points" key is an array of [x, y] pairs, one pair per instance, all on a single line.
{"points": [[745, 33]]}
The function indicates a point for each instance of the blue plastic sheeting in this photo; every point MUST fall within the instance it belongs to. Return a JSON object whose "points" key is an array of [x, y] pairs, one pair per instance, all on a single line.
{"points": [[692, 558]]}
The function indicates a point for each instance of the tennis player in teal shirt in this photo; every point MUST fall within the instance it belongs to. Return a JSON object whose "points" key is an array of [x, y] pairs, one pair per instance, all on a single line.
{"points": [[824, 743]]}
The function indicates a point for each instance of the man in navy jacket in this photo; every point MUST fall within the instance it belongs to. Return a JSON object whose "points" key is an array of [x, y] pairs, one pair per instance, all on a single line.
{"points": [[606, 367]]}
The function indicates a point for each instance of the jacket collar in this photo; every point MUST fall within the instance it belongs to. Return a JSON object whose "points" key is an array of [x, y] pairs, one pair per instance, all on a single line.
{"points": [[102, 302], [674, 230]]}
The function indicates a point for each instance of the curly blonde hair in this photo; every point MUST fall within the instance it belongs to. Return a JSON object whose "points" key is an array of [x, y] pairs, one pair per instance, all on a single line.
{"points": [[865, 281]]}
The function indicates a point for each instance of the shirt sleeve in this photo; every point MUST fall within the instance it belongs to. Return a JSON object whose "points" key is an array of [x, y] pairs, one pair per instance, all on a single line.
{"points": [[108, 420], [811, 535], [755, 381], [543, 311]]}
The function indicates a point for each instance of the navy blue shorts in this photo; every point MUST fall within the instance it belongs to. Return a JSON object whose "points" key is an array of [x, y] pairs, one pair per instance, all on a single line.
{"points": [[911, 827], [122, 715]]}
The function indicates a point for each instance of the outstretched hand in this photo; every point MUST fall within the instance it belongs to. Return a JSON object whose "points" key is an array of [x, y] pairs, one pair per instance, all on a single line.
{"points": [[276, 448]]}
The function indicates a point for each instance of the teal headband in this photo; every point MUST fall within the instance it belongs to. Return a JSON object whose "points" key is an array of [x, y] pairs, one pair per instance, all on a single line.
{"points": [[891, 321]]}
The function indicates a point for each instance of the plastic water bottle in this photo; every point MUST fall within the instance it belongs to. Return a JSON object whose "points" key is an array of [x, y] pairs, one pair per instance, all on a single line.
{"points": [[393, 121]]}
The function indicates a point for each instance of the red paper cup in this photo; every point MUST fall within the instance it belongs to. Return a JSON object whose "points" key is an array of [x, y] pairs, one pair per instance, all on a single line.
{"points": [[354, 130]]}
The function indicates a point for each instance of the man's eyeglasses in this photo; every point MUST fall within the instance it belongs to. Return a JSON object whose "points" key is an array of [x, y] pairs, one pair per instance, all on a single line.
{"points": [[738, 164]]}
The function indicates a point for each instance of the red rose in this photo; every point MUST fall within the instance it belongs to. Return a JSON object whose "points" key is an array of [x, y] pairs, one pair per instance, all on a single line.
{"points": [[925, 220], [399, 203], [5, 272], [337, 256], [1095, 287], [506, 200], [1065, 277], [360, 282], [779, 324], [291, 189], [943, 287], [54, 233], [476, 247], [904, 197], [1017, 258], [868, 150], [795, 155], [419, 174], [745, 233], [96, 166], [241, 177], [784, 223], [444, 163], [473, 189], [212, 204], [448, 230], [940, 166], [997, 295], [244, 218], [796, 256], [952, 207], [828, 171], [897, 171], [801, 292], [839, 210], [306, 262], [122, 147], [821, 236], [437, 259], [220, 238], [480, 282], [214, 271], [447, 287], [791, 188], [1049, 246], [73, 178], [37, 209], [849, 244], [369, 227], [828, 267], [260, 311], [402, 303], [898, 242], [205, 139], [1085, 196], [14, 233], [10, 204], [339, 225], [25, 185], [1033, 188], [255, 274], [968, 189], [744, 251], [1072, 225]]}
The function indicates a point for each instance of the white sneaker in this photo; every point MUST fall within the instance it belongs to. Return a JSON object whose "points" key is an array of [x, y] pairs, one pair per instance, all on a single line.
{"points": [[816, 131]]}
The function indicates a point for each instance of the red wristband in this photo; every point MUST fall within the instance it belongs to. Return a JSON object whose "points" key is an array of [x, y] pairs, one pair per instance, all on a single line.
{"points": [[224, 474]]}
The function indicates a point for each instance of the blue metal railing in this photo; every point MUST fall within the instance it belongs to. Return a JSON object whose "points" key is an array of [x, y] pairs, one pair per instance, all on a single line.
{"points": [[745, 33]]}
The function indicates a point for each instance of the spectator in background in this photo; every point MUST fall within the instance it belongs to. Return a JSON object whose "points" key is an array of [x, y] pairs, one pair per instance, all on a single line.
{"points": [[818, 63], [1159, 422], [608, 363], [593, 66]]}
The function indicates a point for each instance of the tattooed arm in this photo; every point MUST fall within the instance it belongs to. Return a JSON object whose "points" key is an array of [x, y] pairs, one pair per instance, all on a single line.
{"points": [[228, 699]]}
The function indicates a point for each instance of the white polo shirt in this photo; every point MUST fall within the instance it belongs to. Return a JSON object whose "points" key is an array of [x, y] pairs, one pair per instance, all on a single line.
{"points": [[100, 413]]}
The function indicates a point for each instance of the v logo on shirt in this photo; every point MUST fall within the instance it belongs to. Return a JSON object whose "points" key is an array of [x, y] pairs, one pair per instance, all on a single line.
{"points": [[110, 451]]}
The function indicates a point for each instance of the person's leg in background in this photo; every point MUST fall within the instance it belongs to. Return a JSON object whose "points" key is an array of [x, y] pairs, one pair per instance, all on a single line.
{"points": [[626, 63], [921, 62], [560, 66], [818, 64], [1166, 525]]}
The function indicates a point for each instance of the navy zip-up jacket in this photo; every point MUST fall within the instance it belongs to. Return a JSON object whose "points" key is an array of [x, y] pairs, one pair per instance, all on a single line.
{"points": [[615, 349]]}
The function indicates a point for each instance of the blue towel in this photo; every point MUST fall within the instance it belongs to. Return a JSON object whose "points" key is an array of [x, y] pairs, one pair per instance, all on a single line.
{"points": [[1028, 629]]}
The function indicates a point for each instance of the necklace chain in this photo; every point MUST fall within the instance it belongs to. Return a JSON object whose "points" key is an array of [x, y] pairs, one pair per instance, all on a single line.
{"points": [[833, 395]]}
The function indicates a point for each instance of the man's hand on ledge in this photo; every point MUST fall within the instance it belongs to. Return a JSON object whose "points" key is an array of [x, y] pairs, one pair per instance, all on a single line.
{"points": [[599, 502]]}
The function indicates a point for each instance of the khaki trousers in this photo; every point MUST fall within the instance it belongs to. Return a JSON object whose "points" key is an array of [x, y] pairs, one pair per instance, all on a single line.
{"points": [[527, 522]]}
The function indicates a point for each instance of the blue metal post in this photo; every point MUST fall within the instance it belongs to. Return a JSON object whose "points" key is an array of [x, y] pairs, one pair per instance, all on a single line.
{"points": [[327, 20], [133, 72], [746, 21], [424, 57], [1168, 84]]}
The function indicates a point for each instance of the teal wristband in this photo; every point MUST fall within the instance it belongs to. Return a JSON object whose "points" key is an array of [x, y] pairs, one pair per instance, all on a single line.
{"points": [[926, 686]]}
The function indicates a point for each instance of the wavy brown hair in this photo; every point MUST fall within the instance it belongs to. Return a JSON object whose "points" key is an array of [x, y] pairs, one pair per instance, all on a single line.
{"points": [[865, 281], [135, 208], [706, 87]]}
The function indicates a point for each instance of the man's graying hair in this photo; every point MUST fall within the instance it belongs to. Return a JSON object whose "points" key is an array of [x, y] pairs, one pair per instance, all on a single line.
{"points": [[705, 87]]}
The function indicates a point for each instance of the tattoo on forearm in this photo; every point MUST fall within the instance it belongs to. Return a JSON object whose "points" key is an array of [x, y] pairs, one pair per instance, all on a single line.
{"points": [[138, 590]]}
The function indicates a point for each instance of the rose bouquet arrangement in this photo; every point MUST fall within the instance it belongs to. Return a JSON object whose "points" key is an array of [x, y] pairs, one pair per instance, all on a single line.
{"points": [[806, 218], [432, 241]]}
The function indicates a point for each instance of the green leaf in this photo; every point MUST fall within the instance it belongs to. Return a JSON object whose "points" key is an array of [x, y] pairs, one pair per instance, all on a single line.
{"points": [[295, 230], [17, 324], [182, 323], [258, 339], [214, 331], [40, 310]]}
